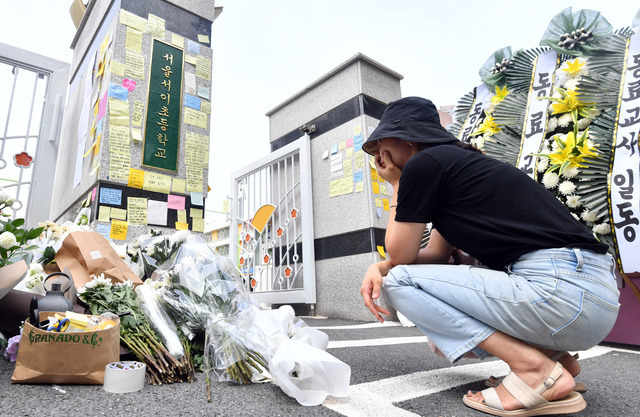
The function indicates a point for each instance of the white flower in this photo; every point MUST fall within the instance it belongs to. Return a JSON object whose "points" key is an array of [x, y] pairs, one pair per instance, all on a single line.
{"points": [[602, 229], [7, 240], [178, 237], [564, 120], [575, 216], [552, 124], [583, 123], [573, 201], [3, 195], [588, 216], [543, 164], [566, 187], [98, 282], [35, 269], [571, 83], [550, 180], [9, 202], [127, 283], [151, 249], [570, 172], [593, 113], [590, 143]]}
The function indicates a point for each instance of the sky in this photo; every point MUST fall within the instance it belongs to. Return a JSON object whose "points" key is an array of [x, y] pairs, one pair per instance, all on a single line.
{"points": [[266, 51]]}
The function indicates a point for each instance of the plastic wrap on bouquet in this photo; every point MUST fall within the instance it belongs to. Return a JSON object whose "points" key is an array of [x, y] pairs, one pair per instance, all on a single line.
{"points": [[159, 319], [309, 374]]}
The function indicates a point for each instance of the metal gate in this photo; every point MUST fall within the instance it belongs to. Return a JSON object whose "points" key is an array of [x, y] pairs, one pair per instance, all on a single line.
{"points": [[271, 231], [32, 89]]}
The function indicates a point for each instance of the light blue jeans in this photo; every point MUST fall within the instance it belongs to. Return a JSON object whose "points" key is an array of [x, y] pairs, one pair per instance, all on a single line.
{"points": [[559, 299]]}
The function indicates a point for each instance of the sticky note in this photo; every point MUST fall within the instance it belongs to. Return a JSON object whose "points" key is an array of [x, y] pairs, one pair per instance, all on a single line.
{"points": [[138, 108], [182, 226], [93, 194], [378, 202], [195, 213], [182, 216], [195, 118], [191, 101], [110, 196], [203, 68], [178, 186], [191, 59], [104, 230], [130, 85], [205, 106], [131, 20], [137, 210], [117, 68], [204, 92], [119, 230], [134, 65], [375, 185], [193, 47], [177, 40], [136, 178], [118, 91], [385, 204], [118, 213], [203, 38], [359, 187], [381, 251], [133, 40], [136, 134], [175, 202], [159, 183], [104, 213], [157, 212], [197, 225], [196, 199]]}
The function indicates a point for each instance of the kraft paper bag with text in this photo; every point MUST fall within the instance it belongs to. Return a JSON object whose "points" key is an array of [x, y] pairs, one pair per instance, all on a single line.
{"points": [[65, 358], [89, 253]]}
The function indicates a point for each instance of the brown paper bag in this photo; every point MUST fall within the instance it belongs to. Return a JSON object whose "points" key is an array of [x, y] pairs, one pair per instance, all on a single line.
{"points": [[65, 358], [89, 253]]}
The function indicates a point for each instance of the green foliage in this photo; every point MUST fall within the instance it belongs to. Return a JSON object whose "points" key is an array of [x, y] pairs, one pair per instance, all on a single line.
{"points": [[23, 236]]}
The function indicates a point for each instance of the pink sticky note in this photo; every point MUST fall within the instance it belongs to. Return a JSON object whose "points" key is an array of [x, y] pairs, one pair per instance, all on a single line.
{"points": [[93, 194], [175, 202], [349, 142], [102, 107], [129, 84]]}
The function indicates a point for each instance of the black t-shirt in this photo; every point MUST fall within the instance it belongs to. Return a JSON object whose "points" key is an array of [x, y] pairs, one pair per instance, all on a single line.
{"points": [[485, 207]]}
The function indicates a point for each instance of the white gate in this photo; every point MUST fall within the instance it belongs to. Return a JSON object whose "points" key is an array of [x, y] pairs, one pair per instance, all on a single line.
{"points": [[271, 231], [32, 90]]}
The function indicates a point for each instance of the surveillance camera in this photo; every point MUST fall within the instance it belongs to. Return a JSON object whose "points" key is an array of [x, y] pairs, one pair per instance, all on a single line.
{"points": [[307, 129]]}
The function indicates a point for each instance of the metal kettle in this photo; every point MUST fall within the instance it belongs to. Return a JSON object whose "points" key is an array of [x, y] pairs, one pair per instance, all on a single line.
{"points": [[55, 300]]}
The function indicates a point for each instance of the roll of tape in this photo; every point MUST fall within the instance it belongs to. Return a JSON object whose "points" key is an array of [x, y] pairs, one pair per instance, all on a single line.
{"points": [[122, 377]]}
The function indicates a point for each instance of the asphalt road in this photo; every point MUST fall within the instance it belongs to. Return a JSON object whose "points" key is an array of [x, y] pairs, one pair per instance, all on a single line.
{"points": [[393, 373]]}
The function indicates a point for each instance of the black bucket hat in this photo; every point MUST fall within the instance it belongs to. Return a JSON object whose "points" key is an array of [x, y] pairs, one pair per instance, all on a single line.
{"points": [[414, 119]]}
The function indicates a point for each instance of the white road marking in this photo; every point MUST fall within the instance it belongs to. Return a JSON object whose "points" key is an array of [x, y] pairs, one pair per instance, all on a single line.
{"points": [[360, 326], [376, 342]]}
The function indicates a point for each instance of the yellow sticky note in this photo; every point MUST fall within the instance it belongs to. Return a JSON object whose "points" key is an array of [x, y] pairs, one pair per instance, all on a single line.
{"points": [[119, 230], [203, 38], [178, 186], [155, 26], [157, 182], [194, 179], [134, 65], [359, 187], [197, 225], [372, 163], [357, 129], [341, 186], [225, 206], [381, 252], [133, 40], [182, 226], [383, 188], [138, 108], [195, 213], [195, 118], [119, 139], [349, 152], [205, 106], [376, 187], [177, 40], [359, 159], [137, 210], [342, 146], [374, 174], [182, 216], [119, 164], [378, 202], [117, 213], [191, 59], [104, 213], [385, 204], [118, 113], [203, 68], [136, 178], [131, 20], [347, 167], [136, 135], [117, 68]]}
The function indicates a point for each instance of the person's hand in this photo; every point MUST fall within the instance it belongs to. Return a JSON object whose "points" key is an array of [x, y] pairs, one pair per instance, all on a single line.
{"points": [[387, 170], [370, 291]]}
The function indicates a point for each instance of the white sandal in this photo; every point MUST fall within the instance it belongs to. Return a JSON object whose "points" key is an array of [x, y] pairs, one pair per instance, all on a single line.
{"points": [[530, 398]]}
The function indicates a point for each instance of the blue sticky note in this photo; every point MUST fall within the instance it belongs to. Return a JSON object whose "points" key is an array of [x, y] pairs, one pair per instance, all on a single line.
{"points": [[357, 142], [204, 92], [193, 47], [357, 176], [191, 101], [378, 212], [334, 149], [110, 196], [196, 199], [99, 126], [104, 229], [118, 91]]}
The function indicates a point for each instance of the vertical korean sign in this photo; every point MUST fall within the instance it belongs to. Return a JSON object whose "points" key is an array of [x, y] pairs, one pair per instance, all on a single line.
{"points": [[162, 124]]}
